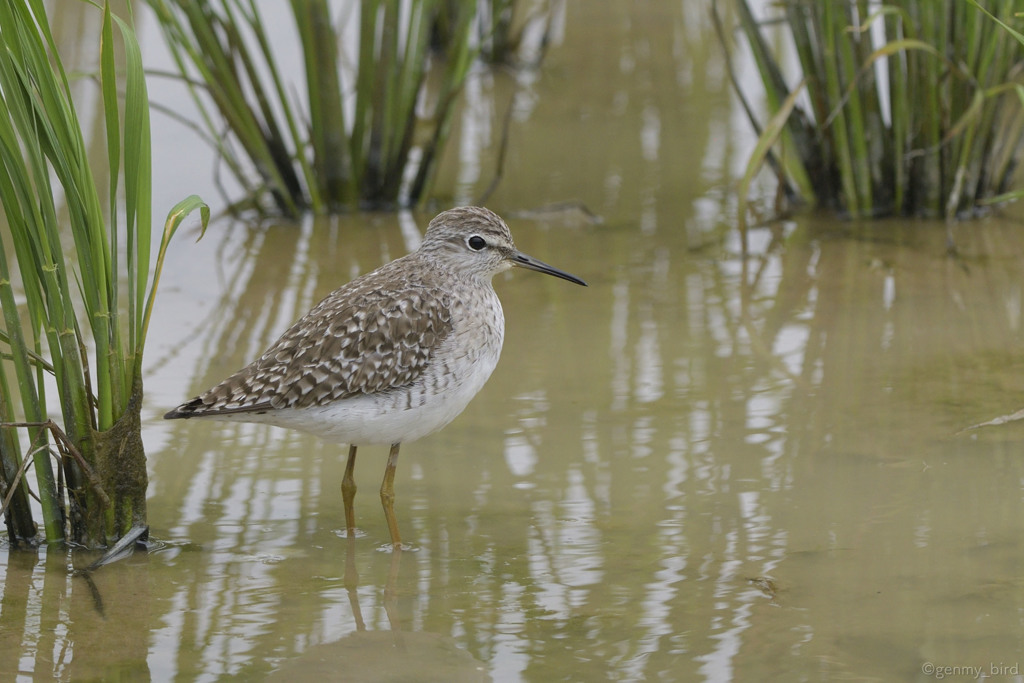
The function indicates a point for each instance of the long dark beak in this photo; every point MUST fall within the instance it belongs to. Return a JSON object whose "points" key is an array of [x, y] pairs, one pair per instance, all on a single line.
{"points": [[524, 261]]}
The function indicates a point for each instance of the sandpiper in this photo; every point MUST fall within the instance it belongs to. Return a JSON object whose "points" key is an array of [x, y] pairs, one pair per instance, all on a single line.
{"points": [[392, 356]]}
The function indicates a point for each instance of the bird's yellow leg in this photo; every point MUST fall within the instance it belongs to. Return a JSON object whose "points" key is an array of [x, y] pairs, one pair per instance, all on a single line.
{"points": [[387, 495], [348, 491]]}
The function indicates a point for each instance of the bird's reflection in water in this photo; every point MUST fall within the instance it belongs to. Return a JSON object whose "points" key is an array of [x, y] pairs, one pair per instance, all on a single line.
{"points": [[352, 582], [390, 587], [382, 655]]}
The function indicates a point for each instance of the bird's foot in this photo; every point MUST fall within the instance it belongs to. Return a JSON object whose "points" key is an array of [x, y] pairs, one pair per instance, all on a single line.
{"points": [[350, 533], [393, 547]]}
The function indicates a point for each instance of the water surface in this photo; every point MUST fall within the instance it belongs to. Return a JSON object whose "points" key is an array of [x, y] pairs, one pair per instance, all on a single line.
{"points": [[731, 457]]}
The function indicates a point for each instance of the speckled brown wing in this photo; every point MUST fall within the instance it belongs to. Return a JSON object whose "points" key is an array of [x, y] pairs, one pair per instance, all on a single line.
{"points": [[363, 338]]}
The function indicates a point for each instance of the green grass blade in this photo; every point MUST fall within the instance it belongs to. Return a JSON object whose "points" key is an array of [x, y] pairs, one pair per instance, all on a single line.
{"points": [[138, 189], [772, 131], [175, 217]]}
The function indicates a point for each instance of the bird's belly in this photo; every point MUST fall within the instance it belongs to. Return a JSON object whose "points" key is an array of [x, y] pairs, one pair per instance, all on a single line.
{"points": [[391, 417]]}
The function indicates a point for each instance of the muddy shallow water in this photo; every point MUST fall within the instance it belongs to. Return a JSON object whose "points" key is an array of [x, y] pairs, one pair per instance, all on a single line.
{"points": [[724, 459]]}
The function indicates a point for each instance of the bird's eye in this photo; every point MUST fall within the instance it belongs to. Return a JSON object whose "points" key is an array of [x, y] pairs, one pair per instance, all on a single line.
{"points": [[476, 242]]}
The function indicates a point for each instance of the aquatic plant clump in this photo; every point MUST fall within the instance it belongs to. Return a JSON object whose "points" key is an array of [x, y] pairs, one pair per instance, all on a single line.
{"points": [[370, 127], [906, 108], [76, 284]]}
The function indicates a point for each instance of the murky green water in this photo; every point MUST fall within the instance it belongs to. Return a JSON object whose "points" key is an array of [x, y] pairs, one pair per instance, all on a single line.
{"points": [[717, 462]]}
